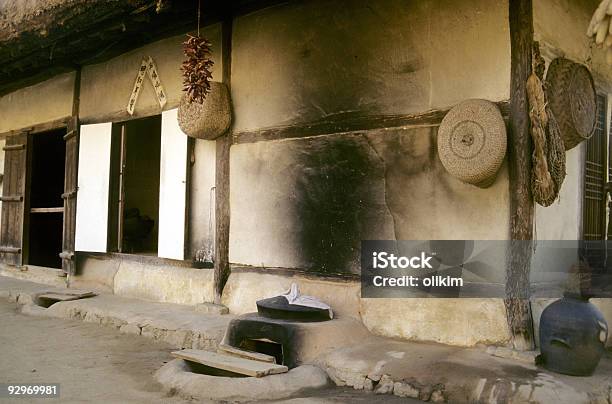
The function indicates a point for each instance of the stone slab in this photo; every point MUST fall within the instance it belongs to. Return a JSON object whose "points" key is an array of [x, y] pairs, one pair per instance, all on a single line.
{"points": [[434, 372], [179, 325]]}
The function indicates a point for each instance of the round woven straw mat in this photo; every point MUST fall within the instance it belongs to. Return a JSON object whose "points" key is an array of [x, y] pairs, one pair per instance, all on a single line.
{"points": [[571, 96], [210, 119], [472, 142]]}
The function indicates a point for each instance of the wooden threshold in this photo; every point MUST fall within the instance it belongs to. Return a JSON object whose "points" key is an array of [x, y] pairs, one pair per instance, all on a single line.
{"points": [[47, 210]]}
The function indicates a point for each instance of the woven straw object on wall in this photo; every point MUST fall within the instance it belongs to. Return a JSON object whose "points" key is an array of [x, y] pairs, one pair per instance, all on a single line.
{"points": [[572, 98], [208, 120], [472, 142]]}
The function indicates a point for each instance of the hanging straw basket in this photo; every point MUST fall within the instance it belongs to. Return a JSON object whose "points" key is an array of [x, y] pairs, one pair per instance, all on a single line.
{"points": [[572, 98], [210, 119], [472, 142]]}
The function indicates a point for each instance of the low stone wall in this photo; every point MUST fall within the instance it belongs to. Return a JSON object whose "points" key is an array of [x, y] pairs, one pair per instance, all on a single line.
{"points": [[463, 322], [460, 322], [244, 288], [147, 278]]}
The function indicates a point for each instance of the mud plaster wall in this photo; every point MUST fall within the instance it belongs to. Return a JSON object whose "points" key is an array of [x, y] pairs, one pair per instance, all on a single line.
{"points": [[201, 235], [307, 203], [560, 27], [311, 59], [40, 103], [106, 87]]}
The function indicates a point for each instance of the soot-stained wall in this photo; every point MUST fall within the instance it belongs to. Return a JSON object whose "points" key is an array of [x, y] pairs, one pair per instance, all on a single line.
{"points": [[307, 203]]}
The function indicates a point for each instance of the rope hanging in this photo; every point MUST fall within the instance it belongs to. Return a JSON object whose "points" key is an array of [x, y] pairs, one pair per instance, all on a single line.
{"points": [[548, 155]]}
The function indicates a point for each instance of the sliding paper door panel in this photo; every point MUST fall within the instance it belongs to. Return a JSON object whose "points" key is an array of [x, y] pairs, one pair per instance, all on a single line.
{"points": [[93, 184], [172, 188]]}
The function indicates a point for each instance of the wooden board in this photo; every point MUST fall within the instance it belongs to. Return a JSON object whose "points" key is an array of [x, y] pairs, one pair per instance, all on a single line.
{"points": [[70, 199], [256, 356], [71, 178], [66, 295], [47, 210], [14, 205], [58, 297], [230, 363]]}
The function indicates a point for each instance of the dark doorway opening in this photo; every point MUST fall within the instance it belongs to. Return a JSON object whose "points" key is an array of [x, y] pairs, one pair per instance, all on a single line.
{"points": [[265, 347], [135, 176], [46, 206]]}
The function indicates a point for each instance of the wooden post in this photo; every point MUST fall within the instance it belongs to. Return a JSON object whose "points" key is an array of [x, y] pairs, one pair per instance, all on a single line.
{"points": [[70, 182], [222, 179], [518, 309]]}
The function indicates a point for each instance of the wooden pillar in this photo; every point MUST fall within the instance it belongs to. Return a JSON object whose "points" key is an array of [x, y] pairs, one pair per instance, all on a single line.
{"points": [[69, 196], [222, 176], [518, 309]]}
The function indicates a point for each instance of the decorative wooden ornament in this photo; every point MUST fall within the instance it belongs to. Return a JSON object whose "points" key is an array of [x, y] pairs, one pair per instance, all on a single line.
{"points": [[147, 66]]}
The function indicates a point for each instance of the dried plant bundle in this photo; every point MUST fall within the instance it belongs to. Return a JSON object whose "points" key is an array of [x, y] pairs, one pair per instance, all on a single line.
{"points": [[196, 68]]}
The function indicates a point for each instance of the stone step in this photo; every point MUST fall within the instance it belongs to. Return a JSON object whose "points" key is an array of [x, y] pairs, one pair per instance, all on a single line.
{"points": [[230, 363], [256, 356]]}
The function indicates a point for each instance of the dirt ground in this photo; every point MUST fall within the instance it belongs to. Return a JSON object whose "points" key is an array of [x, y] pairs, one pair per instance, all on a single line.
{"points": [[98, 364], [91, 363]]}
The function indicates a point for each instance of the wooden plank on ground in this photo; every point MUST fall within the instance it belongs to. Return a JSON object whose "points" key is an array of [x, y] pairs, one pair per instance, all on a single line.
{"points": [[230, 363], [64, 297], [58, 297], [256, 356]]}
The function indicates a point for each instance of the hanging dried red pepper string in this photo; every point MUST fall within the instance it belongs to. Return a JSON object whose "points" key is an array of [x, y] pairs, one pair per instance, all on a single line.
{"points": [[197, 66]]}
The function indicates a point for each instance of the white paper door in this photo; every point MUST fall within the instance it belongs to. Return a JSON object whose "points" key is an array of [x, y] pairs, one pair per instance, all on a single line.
{"points": [[93, 182], [172, 188]]}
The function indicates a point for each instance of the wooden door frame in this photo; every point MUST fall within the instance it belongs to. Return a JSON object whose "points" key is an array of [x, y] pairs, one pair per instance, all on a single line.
{"points": [[31, 131], [37, 131]]}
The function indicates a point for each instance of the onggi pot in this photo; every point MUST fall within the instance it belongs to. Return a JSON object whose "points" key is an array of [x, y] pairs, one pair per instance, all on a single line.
{"points": [[573, 333]]}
